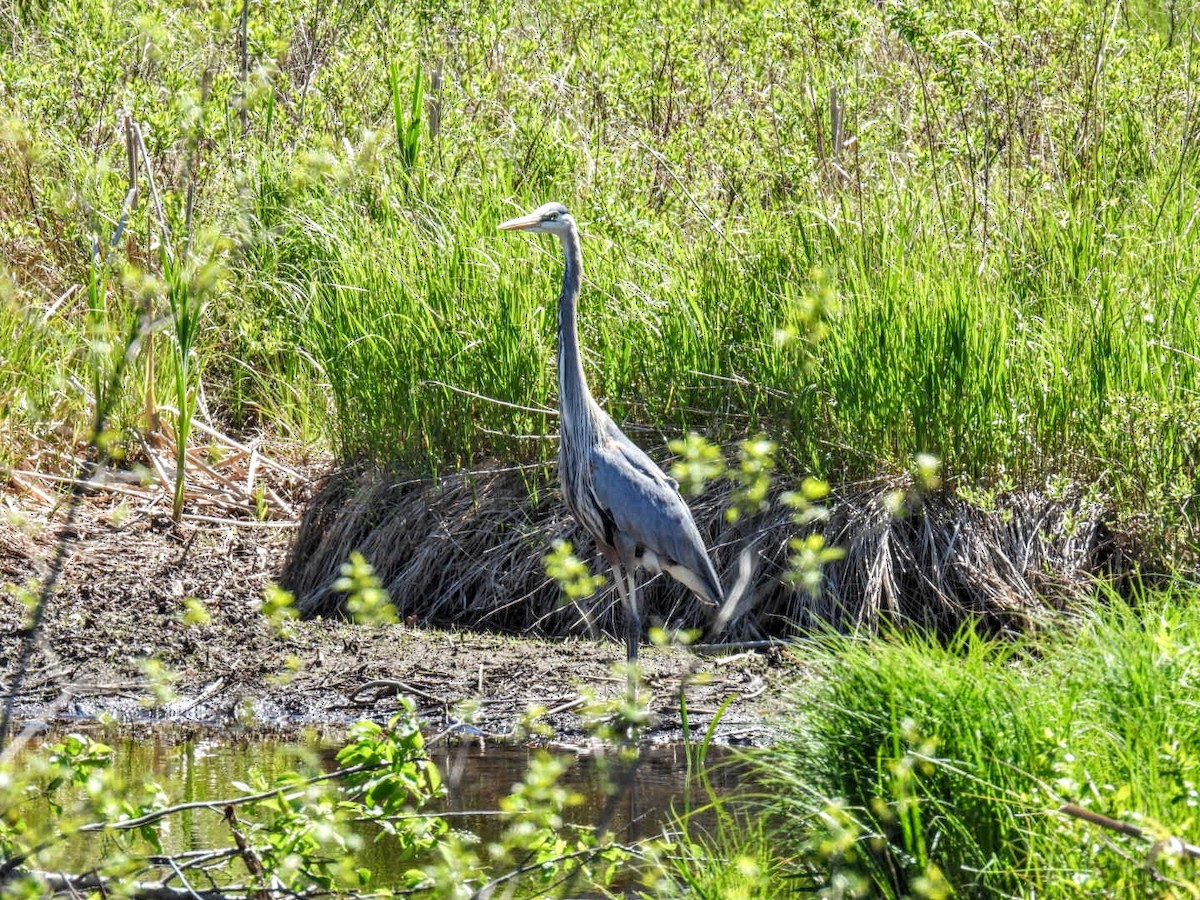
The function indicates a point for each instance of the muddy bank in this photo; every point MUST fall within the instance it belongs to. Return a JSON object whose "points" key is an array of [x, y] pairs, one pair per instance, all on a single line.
{"points": [[482, 625], [124, 597]]}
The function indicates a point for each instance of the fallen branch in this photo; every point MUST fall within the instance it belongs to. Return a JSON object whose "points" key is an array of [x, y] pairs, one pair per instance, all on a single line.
{"points": [[77, 885], [236, 445], [385, 686], [1078, 812], [738, 647], [238, 523], [90, 883], [89, 484]]}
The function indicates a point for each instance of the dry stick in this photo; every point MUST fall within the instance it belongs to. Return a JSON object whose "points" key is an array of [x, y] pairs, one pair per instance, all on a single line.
{"points": [[144, 157], [155, 461], [244, 40], [57, 304], [251, 469], [236, 489], [131, 154], [191, 859], [14, 477], [532, 409], [206, 694], [738, 647], [228, 441], [398, 687], [567, 707], [253, 864], [224, 462], [237, 523], [720, 232], [187, 885], [87, 468], [62, 882], [1095, 818], [86, 484]]}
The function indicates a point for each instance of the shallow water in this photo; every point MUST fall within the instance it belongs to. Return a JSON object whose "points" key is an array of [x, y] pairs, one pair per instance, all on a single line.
{"points": [[477, 777]]}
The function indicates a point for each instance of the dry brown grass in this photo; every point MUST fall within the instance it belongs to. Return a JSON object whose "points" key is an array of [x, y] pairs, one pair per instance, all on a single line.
{"points": [[467, 551]]}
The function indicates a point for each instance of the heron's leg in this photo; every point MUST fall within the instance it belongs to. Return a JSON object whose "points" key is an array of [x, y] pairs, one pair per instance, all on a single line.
{"points": [[633, 624], [633, 627], [618, 572], [633, 616]]}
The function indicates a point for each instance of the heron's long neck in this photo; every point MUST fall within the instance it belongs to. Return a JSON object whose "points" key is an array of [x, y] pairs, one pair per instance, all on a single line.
{"points": [[574, 399]]}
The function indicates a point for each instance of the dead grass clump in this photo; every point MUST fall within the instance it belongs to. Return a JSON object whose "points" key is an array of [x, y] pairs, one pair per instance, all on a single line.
{"points": [[466, 550]]}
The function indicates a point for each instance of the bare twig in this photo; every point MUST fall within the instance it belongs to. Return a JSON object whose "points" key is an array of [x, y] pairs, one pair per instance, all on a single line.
{"points": [[1078, 812], [86, 470], [174, 866], [717, 230], [89, 883], [488, 889], [253, 864], [383, 686], [218, 805], [136, 130], [244, 48], [230, 442], [532, 409], [13, 863], [87, 484], [237, 523]]}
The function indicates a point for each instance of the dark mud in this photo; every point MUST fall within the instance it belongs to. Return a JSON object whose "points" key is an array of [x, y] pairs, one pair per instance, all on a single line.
{"points": [[123, 598]]}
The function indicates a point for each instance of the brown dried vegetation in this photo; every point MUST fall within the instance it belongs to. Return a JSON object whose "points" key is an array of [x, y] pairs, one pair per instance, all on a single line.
{"points": [[467, 550]]}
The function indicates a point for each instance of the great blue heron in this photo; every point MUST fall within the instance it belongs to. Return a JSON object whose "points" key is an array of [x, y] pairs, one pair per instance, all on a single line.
{"points": [[625, 501]]}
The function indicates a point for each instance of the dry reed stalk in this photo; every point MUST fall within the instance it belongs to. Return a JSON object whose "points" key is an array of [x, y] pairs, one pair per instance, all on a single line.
{"points": [[467, 551]]}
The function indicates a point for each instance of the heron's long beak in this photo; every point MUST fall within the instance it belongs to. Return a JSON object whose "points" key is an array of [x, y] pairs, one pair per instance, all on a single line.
{"points": [[520, 223]]}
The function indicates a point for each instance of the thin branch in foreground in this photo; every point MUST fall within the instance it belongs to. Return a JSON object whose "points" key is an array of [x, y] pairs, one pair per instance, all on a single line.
{"points": [[488, 889], [220, 805], [13, 863], [87, 470], [77, 885]]}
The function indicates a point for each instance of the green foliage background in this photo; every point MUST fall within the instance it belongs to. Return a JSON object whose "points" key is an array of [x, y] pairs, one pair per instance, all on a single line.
{"points": [[1001, 196]]}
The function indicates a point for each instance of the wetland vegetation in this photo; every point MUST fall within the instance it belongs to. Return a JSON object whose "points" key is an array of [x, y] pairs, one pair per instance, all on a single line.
{"points": [[945, 255]]}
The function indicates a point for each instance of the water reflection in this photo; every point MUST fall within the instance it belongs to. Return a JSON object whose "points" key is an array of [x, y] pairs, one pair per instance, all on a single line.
{"points": [[477, 777], [658, 787]]}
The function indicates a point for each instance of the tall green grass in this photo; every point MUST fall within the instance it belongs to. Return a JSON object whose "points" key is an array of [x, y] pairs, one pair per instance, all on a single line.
{"points": [[910, 764], [1002, 195]]}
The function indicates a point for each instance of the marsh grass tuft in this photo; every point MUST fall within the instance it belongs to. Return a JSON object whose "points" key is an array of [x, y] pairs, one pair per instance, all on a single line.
{"points": [[468, 550], [912, 762]]}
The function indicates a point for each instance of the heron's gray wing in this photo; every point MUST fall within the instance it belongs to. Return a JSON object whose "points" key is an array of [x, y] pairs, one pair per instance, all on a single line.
{"points": [[647, 510], [636, 457]]}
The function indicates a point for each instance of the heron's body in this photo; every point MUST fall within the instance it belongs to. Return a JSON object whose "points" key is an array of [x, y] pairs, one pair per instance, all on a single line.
{"points": [[616, 492]]}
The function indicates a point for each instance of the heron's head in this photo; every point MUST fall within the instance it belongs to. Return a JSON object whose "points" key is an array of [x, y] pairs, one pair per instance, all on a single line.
{"points": [[551, 218]]}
